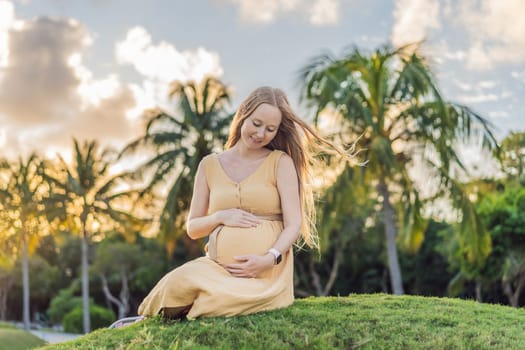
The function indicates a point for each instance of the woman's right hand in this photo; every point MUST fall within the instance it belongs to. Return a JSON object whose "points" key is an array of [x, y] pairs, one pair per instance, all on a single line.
{"points": [[237, 217]]}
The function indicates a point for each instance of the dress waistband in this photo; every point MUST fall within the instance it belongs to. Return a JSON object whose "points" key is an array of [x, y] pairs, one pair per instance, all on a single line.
{"points": [[271, 217]]}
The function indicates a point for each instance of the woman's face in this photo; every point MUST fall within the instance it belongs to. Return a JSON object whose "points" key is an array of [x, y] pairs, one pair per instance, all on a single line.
{"points": [[259, 129]]}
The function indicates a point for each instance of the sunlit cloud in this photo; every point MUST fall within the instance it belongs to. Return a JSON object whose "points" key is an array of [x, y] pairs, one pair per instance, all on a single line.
{"points": [[48, 95], [325, 12], [458, 55], [160, 64], [7, 17], [462, 85], [410, 25], [496, 30], [487, 84], [264, 11], [38, 71], [481, 98], [477, 86], [92, 91], [163, 61], [498, 114], [3, 137], [518, 75], [317, 12]]}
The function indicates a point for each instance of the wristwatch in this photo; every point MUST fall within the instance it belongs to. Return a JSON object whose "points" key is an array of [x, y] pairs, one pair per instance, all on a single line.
{"points": [[276, 254]]}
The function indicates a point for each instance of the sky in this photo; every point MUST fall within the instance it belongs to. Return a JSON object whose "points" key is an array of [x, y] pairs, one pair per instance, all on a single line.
{"points": [[88, 68]]}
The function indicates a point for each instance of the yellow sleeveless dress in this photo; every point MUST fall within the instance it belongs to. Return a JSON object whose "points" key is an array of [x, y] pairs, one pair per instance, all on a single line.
{"points": [[202, 287]]}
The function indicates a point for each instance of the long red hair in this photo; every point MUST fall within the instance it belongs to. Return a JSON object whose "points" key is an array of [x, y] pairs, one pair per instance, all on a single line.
{"points": [[294, 137]]}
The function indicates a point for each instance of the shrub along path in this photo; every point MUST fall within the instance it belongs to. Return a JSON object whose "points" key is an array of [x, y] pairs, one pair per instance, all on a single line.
{"points": [[360, 321]]}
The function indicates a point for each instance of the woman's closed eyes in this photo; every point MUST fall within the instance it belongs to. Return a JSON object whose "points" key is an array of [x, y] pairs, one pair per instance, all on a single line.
{"points": [[258, 124]]}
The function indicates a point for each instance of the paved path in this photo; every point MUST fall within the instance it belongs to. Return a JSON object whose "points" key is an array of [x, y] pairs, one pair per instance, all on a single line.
{"points": [[54, 337]]}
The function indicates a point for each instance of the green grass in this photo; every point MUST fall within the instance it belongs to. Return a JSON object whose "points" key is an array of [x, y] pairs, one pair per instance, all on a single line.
{"points": [[12, 338], [361, 321], [6, 325]]}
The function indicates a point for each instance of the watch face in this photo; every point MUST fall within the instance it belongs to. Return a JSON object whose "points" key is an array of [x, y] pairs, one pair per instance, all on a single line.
{"points": [[278, 259]]}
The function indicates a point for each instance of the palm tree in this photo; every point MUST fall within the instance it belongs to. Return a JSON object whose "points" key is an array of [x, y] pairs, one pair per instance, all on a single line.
{"points": [[390, 102], [83, 196], [513, 155], [179, 143], [22, 211]]}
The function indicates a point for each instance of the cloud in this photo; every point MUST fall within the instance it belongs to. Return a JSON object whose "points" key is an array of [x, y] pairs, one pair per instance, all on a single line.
{"points": [[324, 12], [7, 17], [480, 98], [493, 31], [496, 31], [520, 76], [410, 25], [487, 84], [264, 11], [318, 12], [47, 94], [160, 64], [498, 114], [462, 85], [484, 97], [38, 71], [164, 62]]}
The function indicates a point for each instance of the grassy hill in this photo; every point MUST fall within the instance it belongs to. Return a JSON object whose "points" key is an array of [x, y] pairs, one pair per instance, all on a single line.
{"points": [[12, 338], [377, 321]]}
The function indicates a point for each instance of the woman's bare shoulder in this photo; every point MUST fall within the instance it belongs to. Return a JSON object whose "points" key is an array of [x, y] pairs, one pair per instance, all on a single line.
{"points": [[286, 163]]}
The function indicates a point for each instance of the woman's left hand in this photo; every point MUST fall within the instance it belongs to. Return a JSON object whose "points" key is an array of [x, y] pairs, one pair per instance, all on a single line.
{"points": [[250, 266]]}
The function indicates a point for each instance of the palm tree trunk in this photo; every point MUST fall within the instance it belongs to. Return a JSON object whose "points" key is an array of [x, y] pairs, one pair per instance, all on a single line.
{"points": [[391, 233], [85, 280], [4, 292], [25, 280], [478, 292]]}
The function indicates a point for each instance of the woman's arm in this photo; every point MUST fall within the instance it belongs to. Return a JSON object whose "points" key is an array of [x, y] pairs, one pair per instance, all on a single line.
{"points": [[200, 224], [288, 186]]}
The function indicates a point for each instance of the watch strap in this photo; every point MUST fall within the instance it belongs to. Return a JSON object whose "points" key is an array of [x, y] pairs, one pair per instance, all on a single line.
{"points": [[276, 254]]}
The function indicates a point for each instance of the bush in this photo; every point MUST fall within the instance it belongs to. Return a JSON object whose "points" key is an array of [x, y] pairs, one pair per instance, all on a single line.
{"points": [[100, 317], [64, 303]]}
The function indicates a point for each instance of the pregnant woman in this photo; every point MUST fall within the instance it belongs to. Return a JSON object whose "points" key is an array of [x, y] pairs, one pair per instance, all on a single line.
{"points": [[253, 201]]}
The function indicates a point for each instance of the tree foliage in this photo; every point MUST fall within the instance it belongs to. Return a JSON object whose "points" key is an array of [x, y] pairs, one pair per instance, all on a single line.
{"points": [[388, 101], [179, 142]]}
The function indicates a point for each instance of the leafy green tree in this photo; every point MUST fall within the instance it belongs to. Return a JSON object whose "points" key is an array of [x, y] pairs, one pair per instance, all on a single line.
{"points": [[341, 220], [390, 103], [117, 263], [63, 303], [8, 255], [504, 216], [179, 143], [100, 317], [513, 155], [7, 279], [427, 272], [22, 212], [42, 283], [85, 197]]}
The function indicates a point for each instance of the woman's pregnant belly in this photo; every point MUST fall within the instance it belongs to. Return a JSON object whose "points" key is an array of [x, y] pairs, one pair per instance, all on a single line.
{"points": [[235, 241]]}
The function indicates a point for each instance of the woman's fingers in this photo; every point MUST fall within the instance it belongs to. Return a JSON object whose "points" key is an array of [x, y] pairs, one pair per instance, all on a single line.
{"points": [[246, 222], [240, 218]]}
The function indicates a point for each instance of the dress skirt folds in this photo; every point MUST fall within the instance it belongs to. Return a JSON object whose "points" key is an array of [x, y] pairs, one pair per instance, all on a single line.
{"points": [[202, 287]]}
